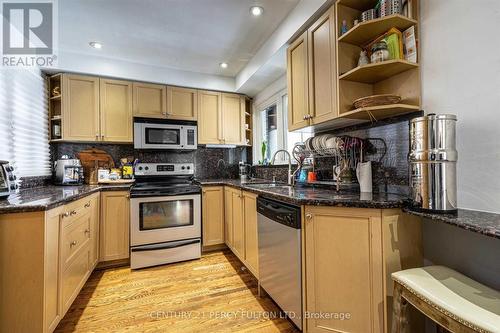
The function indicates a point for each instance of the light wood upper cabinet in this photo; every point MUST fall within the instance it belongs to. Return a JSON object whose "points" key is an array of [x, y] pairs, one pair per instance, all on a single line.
{"points": [[312, 74], [238, 225], [251, 240], [80, 108], [297, 76], [150, 100], [233, 119], [228, 216], [116, 110], [115, 225], [322, 68], [209, 117], [213, 215], [351, 280], [182, 103]]}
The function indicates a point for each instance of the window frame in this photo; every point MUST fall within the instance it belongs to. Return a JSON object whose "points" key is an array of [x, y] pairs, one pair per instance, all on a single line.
{"points": [[282, 127]]}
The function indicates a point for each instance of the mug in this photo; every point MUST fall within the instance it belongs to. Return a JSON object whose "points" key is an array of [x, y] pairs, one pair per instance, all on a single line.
{"points": [[364, 175]]}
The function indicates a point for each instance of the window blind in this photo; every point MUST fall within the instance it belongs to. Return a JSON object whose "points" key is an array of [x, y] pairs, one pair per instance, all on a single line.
{"points": [[24, 130]]}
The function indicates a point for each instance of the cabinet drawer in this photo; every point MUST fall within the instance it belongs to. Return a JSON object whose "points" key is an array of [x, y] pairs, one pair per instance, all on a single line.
{"points": [[74, 276], [75, 236], [75, 209]]}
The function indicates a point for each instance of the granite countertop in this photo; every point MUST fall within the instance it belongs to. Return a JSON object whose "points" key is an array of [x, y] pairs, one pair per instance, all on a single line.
{"points": [[47, 197], [317, 196], [481, 222]]}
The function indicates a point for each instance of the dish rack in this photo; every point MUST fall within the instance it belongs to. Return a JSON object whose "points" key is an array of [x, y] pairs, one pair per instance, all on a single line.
{"points": [[351, 151]]}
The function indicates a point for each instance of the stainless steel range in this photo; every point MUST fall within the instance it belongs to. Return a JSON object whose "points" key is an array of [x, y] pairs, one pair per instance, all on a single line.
{"points": [[165, 215]]}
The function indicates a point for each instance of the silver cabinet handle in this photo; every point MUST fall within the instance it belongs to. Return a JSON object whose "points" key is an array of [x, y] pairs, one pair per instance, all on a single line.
{"points": [[73, 212], [73, 243], [309, 216], [87, 231], [66, 214], [87, 205]]}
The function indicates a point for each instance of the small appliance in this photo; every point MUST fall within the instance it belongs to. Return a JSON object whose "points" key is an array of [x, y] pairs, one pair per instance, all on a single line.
{"points": [[164, 134], [68, 171], [433, 163], [165, 214], [244, 170], [7, 179]]}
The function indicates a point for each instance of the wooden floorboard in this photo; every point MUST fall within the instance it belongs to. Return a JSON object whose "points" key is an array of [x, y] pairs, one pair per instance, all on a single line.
{"points": [[212, 294]]}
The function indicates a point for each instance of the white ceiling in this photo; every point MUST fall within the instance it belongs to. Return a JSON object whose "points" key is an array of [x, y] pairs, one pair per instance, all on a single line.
{"points": [[189, 35]]}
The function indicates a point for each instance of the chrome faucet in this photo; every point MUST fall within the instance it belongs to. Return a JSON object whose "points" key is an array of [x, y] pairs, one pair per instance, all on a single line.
{"points": [[291, 178]]}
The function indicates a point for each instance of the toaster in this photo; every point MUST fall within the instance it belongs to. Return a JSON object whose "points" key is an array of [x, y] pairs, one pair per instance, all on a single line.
{"points": [[68, 171], [7, 179]]}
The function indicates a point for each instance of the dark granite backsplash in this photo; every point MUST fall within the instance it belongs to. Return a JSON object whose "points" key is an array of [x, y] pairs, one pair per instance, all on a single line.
{"points": [[389, 171], [206, 160]]}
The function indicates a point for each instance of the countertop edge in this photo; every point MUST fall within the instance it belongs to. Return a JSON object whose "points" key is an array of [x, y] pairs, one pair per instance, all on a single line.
{"points": [[28, 208]]}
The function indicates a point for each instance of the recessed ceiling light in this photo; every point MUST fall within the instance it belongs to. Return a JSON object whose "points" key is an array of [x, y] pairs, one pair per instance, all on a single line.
{"points": [[95, 45], [223, 65], [256, 10]]}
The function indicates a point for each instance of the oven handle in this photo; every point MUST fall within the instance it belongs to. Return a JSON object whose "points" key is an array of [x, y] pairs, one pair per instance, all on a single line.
{"points": [[164, 246]]}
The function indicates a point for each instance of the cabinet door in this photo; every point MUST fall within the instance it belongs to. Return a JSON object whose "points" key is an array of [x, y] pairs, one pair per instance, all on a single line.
{"points": [[298, 104], [343, 260], [233, 119], [228, 217], [93, 205], [150, 100], [251, 240], [116, 110], [322, 68], [209, 117], [213, 215], [238, 225], [182, 103], [80, 102], [115, 225], [52, 304]]}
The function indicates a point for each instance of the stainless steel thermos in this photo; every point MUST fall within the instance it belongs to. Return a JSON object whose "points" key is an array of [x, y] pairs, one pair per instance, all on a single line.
{"points": [[433, 163]]}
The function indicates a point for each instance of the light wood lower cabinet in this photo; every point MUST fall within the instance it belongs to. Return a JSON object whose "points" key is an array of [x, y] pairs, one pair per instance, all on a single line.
{"points": [[240, 210], [115, 225], [238, 224], [45, 259], [251, 240], [213, 215], [349, 256], [228, 217]]}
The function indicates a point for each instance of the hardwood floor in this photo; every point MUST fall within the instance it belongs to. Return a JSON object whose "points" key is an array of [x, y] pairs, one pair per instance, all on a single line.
{"points": [[212, 294]]}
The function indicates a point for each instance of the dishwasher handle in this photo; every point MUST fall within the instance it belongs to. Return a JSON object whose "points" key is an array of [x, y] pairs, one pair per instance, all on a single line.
{"points": [[280, 212]]}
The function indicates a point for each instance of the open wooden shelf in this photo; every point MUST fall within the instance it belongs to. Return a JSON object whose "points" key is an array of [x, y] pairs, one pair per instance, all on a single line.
{"points": [[365, 32], [380, 112], [376, 72]]}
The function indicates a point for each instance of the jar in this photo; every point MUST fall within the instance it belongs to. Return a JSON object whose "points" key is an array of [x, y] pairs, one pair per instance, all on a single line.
{"points": [[379, 52]]}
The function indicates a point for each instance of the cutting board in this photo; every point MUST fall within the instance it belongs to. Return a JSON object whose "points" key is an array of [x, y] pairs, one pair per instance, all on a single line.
{"points": [[92, 158]]}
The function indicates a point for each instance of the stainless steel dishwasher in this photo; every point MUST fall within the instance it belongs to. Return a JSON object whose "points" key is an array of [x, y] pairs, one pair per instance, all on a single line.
{"points": [[280, 255]]}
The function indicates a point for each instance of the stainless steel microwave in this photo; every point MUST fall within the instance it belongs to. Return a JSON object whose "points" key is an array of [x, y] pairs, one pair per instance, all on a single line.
{"points": [[164, 134]]}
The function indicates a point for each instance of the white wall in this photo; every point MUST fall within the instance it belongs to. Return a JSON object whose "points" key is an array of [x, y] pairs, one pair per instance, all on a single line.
{"points": [[73, 62], [461, 75]]}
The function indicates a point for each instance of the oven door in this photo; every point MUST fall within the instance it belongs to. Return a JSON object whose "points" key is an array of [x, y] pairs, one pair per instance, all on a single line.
{"points": [[164, 219]]}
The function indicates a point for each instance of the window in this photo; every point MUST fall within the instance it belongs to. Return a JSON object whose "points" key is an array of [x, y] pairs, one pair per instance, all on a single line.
{"points": [[24, 128], [271, 117]]}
